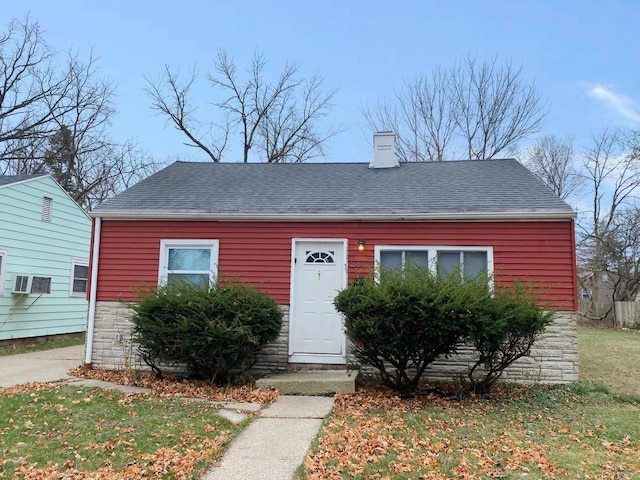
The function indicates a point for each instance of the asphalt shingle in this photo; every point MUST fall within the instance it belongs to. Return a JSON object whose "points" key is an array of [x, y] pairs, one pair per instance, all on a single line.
{"points": [[471, 186], [9, 179]]}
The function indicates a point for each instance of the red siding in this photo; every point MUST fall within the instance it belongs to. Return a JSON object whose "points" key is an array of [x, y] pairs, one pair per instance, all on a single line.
{"points": [[260, 252]]}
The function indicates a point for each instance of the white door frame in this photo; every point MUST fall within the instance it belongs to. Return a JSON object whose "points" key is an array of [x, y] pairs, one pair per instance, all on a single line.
{"points": [[317, 358]]}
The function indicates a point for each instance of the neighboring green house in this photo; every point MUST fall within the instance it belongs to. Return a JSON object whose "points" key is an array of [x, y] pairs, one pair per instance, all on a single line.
{"points": [[44, 259]]}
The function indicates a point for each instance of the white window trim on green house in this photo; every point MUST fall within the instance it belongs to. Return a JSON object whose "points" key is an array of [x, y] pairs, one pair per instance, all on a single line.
{"points": [[166, 246], [432, 252], [73, 292], [3, 268]]}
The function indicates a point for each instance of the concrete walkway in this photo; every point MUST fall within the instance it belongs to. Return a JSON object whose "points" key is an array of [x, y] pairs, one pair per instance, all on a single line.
{"points": [[44, 366], [274, 444]]}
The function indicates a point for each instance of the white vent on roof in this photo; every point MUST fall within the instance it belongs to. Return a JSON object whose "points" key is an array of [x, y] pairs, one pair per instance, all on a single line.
{"points": [[47, 205], [384, 150]]}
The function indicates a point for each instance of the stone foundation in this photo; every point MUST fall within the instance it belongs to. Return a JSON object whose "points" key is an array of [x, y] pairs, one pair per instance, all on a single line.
{"points": [[114, 350], [553, 359], [112, 345]]}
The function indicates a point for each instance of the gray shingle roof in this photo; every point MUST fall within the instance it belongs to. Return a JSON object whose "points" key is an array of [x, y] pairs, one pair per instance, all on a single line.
{"points": [[9, 179], [340, 190]]}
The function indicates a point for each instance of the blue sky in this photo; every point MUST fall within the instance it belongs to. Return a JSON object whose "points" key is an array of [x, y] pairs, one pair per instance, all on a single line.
{"points": [[583, 55]]}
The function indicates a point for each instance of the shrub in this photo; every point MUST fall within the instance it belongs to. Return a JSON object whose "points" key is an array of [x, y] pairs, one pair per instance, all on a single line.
{"points": [[503, 329], [402, 321], [215, 332]]}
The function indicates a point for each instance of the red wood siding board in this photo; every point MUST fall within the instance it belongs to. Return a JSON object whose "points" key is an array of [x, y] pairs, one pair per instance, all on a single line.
{"points": [[260, 253], [560, 258]]}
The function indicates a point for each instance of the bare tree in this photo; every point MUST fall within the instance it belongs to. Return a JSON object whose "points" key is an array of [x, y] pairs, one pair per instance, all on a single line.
{"points": [[481, 109], [422, 118], [33, 92], [553, 161], [493, 108], [279, 117], [171, 98], [610, 235], [59, 123], [289, 132]]}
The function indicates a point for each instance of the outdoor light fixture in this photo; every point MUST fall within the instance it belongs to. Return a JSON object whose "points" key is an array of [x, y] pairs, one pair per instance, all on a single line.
{"points": [[361, 245]]}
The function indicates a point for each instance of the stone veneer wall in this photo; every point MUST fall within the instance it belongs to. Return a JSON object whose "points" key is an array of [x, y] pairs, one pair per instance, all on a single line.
{"points": [[113, 349], [553, 359]]}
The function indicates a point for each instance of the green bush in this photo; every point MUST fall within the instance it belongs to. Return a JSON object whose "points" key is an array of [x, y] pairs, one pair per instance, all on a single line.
{"points": [[502, 330], [402, 321], [214, 332]]}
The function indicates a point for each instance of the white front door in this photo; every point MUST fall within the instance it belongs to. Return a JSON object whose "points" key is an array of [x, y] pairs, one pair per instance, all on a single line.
{"points": [[316, 332]]}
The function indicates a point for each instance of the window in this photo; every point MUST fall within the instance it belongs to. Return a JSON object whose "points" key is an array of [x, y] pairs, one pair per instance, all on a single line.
{"points": [[3, 269], [320, 257], [79, 279], [194, 261], [585, 293], [470, 263], [443, 259], [47, 206]]}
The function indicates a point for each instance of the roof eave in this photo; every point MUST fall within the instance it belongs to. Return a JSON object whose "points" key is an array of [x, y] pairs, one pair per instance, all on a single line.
{"points": [[18, 182], [333, 217]]}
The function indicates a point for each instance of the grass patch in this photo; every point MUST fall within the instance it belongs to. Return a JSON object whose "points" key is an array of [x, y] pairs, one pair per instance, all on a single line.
{"points": [[610, 357], [40, 346], [537, 432], [56, 430]]}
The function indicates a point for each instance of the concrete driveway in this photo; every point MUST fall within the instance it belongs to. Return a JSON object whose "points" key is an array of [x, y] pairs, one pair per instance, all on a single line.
{"points": [[45, 366]]}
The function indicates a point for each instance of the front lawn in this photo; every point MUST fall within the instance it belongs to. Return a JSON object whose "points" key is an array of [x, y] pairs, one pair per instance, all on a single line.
{"points": [[535, 433], [38, 346], [583, 431], [59, 431], [611, 357]]}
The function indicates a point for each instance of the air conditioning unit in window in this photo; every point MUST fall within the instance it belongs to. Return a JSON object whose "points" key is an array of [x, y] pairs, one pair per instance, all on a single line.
{"points": [[22, 284], [26, 284], [41, 285]]}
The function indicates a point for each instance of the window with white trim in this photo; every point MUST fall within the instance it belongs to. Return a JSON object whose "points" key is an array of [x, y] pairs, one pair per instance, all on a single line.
{"points": [[441, 259], [3, 269], [79, 279], [585, 293], [194, 261]]}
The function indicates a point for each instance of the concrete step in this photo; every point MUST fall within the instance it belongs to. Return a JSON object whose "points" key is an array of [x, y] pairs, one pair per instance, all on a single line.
{"points": [[310, 382]]}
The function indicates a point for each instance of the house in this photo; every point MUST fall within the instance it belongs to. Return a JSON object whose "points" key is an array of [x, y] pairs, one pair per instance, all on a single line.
{"points": [[302, 232], [44, 259]]}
